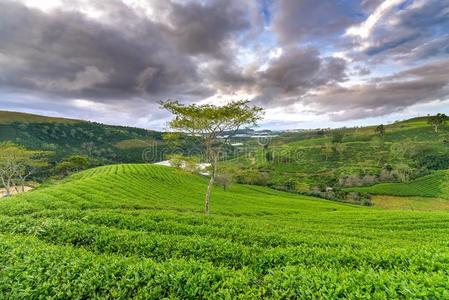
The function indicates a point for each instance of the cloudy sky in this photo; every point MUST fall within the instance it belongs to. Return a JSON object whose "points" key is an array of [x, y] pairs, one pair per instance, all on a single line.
{"points": [[310, 63]]}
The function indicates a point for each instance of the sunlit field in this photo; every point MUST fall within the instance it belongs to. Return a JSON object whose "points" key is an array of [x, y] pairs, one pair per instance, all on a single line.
{"points": [[138, 231]]}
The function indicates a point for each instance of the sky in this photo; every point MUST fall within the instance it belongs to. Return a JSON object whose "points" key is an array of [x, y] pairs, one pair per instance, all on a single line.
{"points": [[309, 63]]}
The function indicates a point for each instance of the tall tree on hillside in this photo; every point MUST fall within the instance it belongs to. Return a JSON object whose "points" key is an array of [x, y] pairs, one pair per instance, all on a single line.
{"points": [[381, 130], [340, 148], [327, 150], [18, 163], [337, 136], [437, 120], [208, 123], [30, 162], [8, 165]]}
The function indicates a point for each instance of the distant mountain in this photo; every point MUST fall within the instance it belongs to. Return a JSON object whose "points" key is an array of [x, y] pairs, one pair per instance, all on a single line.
{"points": [[105, 143], [317, 159], [8, 117]]}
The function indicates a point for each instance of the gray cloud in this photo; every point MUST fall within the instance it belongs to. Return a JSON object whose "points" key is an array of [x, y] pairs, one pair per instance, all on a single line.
{"points": [[386, 95], [66, 54], [282, 80], [294, 73], [296, 20], [206, 29], [127, 57], [410, 31]]}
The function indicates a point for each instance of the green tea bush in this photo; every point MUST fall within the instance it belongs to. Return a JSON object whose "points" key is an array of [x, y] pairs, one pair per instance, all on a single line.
{"points": [[435, 185], [138, 231]]}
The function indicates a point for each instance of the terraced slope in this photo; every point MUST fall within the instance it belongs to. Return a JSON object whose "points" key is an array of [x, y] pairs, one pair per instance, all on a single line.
{"points": [[313, 157], [137, 231], [435, 185]]}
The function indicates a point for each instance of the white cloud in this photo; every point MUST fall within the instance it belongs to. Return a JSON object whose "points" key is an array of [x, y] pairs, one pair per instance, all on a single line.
{"points": [[365, 29], [44, 5]]}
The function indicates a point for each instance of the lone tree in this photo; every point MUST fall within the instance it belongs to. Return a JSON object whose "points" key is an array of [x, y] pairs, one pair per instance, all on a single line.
{"points": [[17, 164], [381, 130], [327, 150], [337, 136], [208, 123], [437, 120]]}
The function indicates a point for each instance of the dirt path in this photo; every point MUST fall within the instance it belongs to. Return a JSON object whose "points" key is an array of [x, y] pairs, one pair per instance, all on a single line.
{"points": [[14, 191]]}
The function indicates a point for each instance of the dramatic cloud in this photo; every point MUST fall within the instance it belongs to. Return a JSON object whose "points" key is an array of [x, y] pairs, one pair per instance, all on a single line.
{"points": [[385, 95], [310, 19], [69, 55], [112, 60], [206, 29], [290, 76], [405, 30]]}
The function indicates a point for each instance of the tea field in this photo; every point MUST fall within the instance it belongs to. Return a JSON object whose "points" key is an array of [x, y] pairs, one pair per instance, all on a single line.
{"points": [[138, 231], [435, 185]]}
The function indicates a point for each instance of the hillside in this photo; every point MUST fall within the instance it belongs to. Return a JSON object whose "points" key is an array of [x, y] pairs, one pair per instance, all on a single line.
{"points": [[102, 143], [347, 157], [435, 185], [137, 231], [307, 162], [8, 117]]}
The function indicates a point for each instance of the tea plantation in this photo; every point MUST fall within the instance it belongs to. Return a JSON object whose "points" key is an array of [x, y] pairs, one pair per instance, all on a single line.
{"points": [[435, 185], [137, 231]]}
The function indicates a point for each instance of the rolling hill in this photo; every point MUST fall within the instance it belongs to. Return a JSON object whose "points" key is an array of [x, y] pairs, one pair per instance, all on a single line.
{"points": [[102, 143], [137, 231], [326, 158], [306, 161], [9, 117], [435, 185]]}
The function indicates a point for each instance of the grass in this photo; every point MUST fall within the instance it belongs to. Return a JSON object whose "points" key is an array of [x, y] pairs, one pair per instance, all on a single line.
{"points": [[137, 231], [136, 143], [104, 144], [7, 117], [410, 203], [435, 185], [298, 156]]}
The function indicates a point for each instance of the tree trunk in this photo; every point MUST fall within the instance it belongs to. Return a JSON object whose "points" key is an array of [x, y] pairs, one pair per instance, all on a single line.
{"points": [[209, 189], [210, 186], [22, 184], [23, 181], [7, 185], [436, 128], [14, 186]]}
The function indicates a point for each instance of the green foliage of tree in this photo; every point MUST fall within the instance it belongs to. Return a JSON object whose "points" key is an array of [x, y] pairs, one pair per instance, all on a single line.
{"points": [[340, 148], [17, 164], [224, 179], [437, 120], [188, 163], [326, 150], [207, 123], [252, 176], [380, 130], [302, 187], [74, 163], [403, 172], [176, 160], [337, 136]]}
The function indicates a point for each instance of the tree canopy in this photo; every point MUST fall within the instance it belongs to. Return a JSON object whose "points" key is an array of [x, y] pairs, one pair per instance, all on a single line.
{"points": [[381, 130], [213, 126], [18, 163], [437, 120], [210, 121]]}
